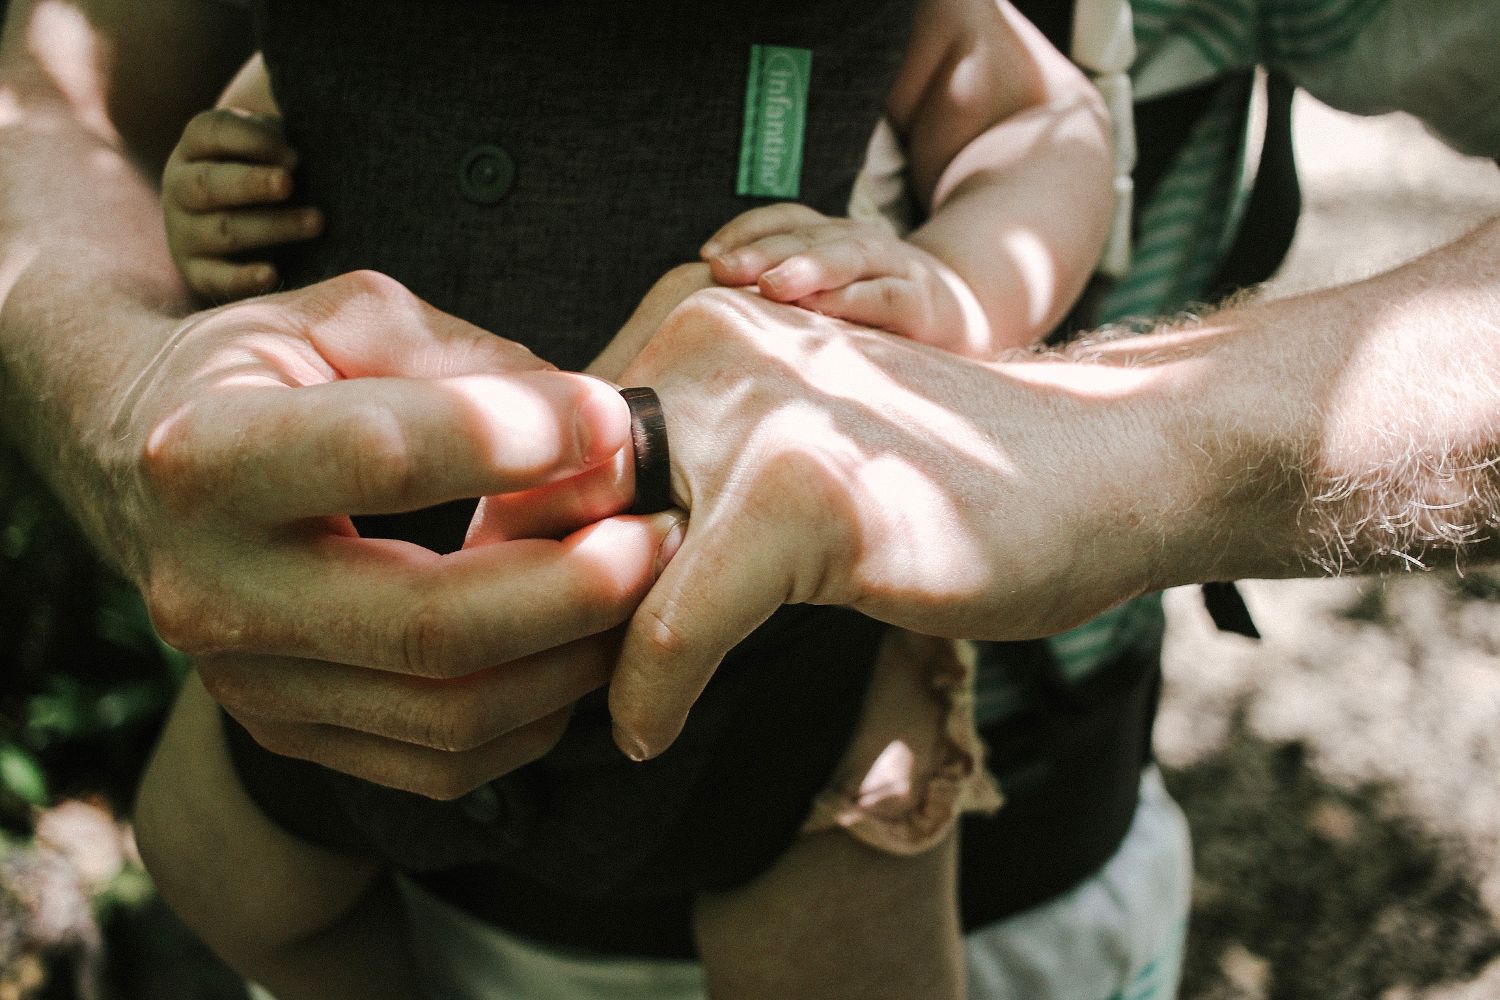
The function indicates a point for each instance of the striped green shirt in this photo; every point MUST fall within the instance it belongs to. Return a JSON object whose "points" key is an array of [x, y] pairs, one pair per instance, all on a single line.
{"points": [[1433, 58]]}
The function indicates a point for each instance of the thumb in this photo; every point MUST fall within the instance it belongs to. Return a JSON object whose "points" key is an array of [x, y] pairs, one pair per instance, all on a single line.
{"points": [[708, 599], [367, 324]]}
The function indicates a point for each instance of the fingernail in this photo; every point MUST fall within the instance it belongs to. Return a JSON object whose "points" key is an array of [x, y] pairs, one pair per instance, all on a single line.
{"points": [[670, 544], [632, 747], [312, 221], [601, 407]]}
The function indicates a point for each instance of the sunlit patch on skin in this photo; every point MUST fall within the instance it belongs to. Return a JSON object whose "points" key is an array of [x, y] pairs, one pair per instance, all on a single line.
{"points": [[10, 108], [1038, 269], [912, 541], [66, 48], [12, 265], [839, 368], [514, 425], [970, 78]]}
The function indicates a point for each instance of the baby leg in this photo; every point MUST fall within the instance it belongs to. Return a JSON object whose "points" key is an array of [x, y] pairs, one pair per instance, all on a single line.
{"points": [[864, 904], [834, 919], [299, 920]]}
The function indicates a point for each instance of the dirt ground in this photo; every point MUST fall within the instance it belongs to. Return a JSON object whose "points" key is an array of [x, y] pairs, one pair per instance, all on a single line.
{"points": [[1342, 776]]}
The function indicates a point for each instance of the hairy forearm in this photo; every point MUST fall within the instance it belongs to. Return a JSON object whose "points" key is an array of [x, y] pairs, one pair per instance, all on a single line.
{"points": [[1354, 428], [87, 290]]}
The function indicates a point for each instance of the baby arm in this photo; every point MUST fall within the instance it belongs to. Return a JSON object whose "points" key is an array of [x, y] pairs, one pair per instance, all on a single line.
{"points": [[1008, 151], [299, 920], [224, 193]]}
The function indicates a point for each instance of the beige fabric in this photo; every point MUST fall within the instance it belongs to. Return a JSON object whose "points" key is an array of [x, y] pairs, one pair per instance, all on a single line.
{"points": [[916, 762]]}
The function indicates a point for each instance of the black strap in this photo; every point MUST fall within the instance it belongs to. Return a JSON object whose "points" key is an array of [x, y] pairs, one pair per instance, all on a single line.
{"points": [[1259, 247]]}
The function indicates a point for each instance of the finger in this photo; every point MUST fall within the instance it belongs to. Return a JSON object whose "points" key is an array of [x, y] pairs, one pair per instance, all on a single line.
{"points": [[210, 185], [437, 774], [709, 598], [395, 606], [229, 133], [367, 324], [829, 265], [745, 265], [276, 453], [462, 714], [220, 234], [226, 281], [891, 304], [757, 224], [557, 509]]}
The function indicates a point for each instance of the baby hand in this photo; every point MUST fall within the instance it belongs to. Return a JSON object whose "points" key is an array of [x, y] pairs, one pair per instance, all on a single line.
{"points": [[218, 191], [856, 271]]}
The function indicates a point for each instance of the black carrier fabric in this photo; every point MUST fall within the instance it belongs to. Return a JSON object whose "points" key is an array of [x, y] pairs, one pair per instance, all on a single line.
{"points": [[623, 122]]}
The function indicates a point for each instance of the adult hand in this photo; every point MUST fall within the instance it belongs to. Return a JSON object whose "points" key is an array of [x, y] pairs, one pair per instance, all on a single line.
{"points": [[824, 463], [261, 426]]}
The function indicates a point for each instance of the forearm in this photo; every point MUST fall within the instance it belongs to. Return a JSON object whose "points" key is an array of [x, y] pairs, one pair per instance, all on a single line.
{"points": [[87, 290], [1021, 214], [1355, 428]]}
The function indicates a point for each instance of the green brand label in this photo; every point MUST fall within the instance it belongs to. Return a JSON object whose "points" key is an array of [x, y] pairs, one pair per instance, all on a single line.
{"points": [[775, 120]]}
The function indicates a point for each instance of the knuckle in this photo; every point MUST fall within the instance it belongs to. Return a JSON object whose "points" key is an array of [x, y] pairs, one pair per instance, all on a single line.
{"points": [[661, 637], [865, 246], [224, 230], [448, 781], [198, 191], [224, 685], [172, 616], [381, 463], [189, 618], [539, 739], [691, 323], [374, 285], [797, 214], [201, 126], [216, 128], [214, 233], [280, 740], [428, 643], [172, 460], [605, 598], [463, 728], [892, 296]]}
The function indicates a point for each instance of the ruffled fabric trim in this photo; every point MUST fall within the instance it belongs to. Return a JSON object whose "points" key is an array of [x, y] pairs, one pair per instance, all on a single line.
{"points": [[916, 763]]}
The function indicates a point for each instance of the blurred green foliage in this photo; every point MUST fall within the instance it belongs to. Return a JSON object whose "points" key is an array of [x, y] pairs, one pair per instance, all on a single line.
{"points": [[84, 681]]}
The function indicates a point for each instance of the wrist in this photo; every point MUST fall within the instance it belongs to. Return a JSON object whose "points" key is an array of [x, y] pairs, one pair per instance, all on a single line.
{"points": [[1218, 437], [64, 378]]}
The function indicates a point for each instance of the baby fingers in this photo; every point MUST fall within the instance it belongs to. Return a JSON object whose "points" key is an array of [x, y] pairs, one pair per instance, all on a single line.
{"points": [[758, 223], [230, 134], [222, 281], [832, 264], [221, 234], [212, 185], [892, 304]]}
